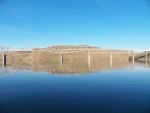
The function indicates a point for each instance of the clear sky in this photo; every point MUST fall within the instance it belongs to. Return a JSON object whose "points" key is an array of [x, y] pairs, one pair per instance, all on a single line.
{"points": [[117, 24]]}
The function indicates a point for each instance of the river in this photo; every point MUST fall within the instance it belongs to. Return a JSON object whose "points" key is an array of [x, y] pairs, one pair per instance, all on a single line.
{"points": [[101, 87]]}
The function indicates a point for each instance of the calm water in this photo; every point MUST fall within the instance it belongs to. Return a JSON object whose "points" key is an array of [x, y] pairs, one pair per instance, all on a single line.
{"points": [[75, 89]]}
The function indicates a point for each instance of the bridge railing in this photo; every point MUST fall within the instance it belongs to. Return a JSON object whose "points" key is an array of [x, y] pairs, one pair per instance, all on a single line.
{"points": [[3, 49]]}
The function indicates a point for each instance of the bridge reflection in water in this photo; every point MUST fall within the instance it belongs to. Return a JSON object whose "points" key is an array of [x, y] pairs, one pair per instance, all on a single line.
{"points": [[72, 67]]}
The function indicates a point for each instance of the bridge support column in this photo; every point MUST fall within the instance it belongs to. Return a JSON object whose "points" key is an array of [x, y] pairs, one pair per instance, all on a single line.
{"points": [[4, 59], [110, 59], [89, 58], [61, 58], [133, 56]]}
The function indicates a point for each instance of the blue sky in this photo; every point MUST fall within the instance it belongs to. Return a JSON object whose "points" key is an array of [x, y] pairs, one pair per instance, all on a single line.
{"points": [[117, 24]]}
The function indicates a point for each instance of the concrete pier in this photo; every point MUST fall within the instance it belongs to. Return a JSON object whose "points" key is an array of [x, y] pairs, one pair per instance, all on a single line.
{"points": [[133, 56], [61, 58], [110, 59], [89, 58], [4, 59], [146, 55]]}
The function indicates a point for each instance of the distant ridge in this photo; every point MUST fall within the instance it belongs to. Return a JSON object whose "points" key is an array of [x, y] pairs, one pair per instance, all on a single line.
{"points": [[60, 47]]}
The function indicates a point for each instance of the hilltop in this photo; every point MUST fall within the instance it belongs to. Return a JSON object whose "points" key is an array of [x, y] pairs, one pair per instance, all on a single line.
{"points": [[60, 47]]}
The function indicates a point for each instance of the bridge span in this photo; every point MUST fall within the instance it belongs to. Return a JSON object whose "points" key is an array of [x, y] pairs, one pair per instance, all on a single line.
{"points": [[110, 52]]}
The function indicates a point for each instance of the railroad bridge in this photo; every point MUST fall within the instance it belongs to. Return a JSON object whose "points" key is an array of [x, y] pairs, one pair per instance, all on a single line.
{"points": [[91, 52]]}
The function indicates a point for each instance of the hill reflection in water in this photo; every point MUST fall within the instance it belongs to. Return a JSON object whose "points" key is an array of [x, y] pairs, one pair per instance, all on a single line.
{"points": [[69, 67]]}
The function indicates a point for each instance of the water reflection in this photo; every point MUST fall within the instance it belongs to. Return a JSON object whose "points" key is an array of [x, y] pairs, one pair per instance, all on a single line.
{"points": [[105, 92], [141, 65], [71, 66]]}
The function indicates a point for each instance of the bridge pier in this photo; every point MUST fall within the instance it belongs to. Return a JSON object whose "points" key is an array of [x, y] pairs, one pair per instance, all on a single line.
{"points": [[110, 59], [133, 56], [89, 58], [4, 59], [61, 58]]}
